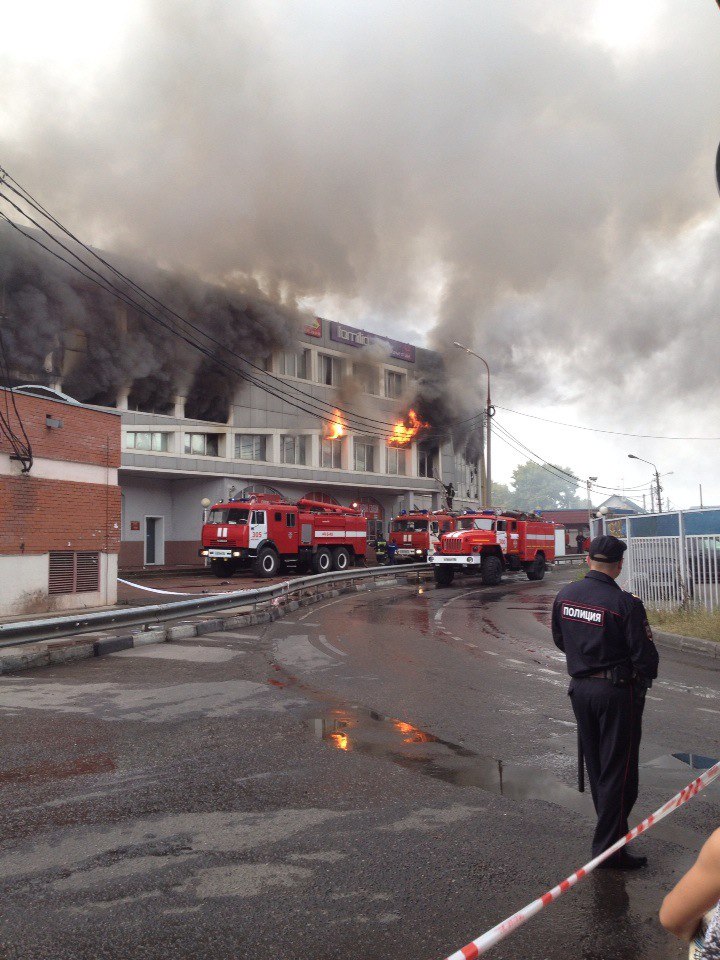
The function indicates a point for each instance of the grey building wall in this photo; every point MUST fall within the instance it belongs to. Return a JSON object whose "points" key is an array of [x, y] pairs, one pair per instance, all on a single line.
{"points": [[170, 484]]}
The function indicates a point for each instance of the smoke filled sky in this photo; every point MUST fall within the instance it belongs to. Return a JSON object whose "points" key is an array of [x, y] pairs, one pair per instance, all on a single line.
{"points": [[534, 178]]}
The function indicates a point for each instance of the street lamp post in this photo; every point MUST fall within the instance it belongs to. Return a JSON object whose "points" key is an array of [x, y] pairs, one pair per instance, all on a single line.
{"points": [[590, 481], [205, 504], [632, 456], [488, 416]]}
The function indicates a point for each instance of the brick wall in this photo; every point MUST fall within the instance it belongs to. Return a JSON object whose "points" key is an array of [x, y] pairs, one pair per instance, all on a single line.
{"points": [[38, 515], [86, 436], [178, 553]]}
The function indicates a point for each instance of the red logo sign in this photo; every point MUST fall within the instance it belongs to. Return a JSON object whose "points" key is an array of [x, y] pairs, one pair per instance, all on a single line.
{"points": [[313, 328]]}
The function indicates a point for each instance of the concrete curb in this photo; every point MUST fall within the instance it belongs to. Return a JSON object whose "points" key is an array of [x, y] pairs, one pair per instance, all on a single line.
{"points": [[46, 653], [112, 644], [706, 648]]}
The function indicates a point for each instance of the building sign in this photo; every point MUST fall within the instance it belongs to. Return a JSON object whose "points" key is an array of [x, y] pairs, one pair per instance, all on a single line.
{"points": [[361, 338], [313, 328], [134, 524]]}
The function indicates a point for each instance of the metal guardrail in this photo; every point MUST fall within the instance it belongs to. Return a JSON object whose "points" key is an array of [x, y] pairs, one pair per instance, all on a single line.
{"points": [[570, 558], [29, 631]]}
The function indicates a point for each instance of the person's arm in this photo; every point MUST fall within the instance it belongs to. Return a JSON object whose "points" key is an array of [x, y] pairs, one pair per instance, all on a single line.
{"points": [[696, 893], [641, 646], [556, 626]]}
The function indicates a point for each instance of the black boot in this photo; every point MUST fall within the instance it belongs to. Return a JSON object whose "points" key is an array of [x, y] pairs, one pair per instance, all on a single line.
{"points": [[622, 860]]}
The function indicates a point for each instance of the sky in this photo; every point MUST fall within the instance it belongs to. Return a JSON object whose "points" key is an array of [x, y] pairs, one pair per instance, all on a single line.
{"points": [[535, 179]]}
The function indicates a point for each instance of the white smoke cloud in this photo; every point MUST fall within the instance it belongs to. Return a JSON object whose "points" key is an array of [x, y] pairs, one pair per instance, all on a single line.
{"points": [[533, 177]]}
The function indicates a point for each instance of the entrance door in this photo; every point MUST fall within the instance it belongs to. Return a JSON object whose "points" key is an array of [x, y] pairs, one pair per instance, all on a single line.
{"points": [[154, 545]]}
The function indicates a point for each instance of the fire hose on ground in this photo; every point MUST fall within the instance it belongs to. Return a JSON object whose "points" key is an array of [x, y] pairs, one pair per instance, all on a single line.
{"points": [[502, 930]]}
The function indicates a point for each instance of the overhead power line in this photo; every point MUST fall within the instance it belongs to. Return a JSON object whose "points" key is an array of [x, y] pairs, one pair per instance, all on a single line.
{"points": [[552, 469], [617, 433], [314, 406], [307, 407], [324, 409], [20, 446]]}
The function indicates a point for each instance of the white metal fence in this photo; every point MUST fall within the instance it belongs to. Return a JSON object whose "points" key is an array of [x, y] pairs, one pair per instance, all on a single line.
{"points": [[671, 568], [668, 572]]}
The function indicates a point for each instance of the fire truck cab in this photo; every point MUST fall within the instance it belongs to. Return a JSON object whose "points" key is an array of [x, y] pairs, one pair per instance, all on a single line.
{"points": [[266, 531], [416, 533], [490, 543]]}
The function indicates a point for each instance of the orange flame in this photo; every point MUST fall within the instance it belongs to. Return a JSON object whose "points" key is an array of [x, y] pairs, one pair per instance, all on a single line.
{"points": [[336, 428], [406, 429], [341, 740], [412, 734]]}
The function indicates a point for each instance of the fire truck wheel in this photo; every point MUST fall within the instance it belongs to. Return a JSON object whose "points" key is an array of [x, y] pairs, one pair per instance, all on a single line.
{"points": [[491, 571], [341, 559], [222, 568], [322, 561], [443, 576], [267, 563], [536, 570]]}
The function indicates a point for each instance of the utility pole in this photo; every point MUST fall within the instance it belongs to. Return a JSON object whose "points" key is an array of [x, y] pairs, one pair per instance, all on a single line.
{"points": [[488, 415]]}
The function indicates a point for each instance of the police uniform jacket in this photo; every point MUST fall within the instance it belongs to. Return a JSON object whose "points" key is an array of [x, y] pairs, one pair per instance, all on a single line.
{"points": [[598, 626]]}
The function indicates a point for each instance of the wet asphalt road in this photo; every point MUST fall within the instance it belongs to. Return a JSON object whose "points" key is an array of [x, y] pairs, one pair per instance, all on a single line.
{"points": [[385, 775]]}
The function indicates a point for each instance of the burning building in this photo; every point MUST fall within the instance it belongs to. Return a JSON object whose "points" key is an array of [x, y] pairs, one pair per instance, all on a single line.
{"points": [[273, 402]]}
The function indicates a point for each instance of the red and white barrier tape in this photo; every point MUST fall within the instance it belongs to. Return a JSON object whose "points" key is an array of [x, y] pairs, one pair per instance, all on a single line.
{"points": [[477, 947]]}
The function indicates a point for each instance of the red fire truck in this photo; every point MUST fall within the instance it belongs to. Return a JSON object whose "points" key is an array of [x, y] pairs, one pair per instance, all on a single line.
{"points": [[416, 533], [490, 543], [265, 531]]}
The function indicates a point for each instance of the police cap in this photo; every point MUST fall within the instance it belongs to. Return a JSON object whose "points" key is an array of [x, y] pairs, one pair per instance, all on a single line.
{"points": [[607, 549]]}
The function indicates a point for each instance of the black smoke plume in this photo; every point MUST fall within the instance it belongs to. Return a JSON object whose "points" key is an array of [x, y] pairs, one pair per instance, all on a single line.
{"points": [[64, 326]]}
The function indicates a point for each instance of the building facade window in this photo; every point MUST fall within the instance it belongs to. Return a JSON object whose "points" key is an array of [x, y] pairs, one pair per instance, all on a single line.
{"points": [[202, 444], [329, 370], [427, 461], [146, 440], [294, 363], [396, 461], [367, 375], [364, 454], [330, 454], [294, 449], [394, 384], [319, 496], [250, 446]]}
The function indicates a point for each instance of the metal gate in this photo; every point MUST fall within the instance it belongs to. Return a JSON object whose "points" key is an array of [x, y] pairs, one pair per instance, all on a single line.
{"points": [[673, 567]]}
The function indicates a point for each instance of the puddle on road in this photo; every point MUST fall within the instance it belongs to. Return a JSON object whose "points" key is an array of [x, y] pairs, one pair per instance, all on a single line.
{"points": [[372, 734], [684, 762]]}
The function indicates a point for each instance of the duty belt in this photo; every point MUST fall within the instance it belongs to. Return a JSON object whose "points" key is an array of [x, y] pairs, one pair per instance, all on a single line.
{"points": [[605, 675]]}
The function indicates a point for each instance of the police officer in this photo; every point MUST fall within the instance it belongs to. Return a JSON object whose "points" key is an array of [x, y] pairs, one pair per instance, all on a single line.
{"points": [[612, 661]]}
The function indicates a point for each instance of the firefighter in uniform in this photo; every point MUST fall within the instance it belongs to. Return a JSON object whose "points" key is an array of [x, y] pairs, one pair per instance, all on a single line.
{"points": [[611, 658]]}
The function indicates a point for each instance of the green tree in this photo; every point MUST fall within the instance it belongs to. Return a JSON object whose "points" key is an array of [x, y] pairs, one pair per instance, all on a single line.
{"points": [[535, 488], [502, 496]]}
